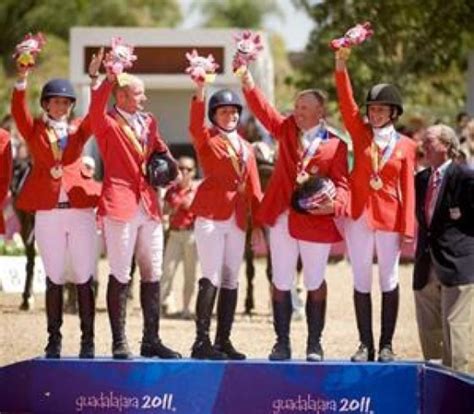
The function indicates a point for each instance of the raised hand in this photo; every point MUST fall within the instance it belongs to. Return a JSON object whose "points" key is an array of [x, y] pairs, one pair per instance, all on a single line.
{"points": [[22, 71], [342, 55], [247, 79], [95, 63]]}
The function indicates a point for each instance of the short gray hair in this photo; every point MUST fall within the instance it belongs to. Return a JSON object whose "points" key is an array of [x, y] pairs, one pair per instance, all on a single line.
{"points": [[320, 95], [448, 137]]}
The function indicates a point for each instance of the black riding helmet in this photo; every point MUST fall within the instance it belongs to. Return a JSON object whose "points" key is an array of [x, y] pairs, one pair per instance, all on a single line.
{"points": [[385, 94], [224, 97], [57, 87]]}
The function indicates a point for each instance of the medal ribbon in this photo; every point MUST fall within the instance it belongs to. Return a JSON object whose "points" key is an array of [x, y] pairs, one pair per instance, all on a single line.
{"points": [[132, 135], [379, 158], [308, 152], [54, 142], [237, 159]]}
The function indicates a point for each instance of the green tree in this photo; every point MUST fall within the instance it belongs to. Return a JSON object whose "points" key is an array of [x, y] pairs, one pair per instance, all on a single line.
{"points": [[55, 17], [248, 14], [251, 14], [420, 46]]}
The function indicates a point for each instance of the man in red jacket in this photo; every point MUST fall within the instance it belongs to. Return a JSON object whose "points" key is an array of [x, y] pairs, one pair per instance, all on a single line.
{"points": [[127, 137], [307, 147], [5, 171]]}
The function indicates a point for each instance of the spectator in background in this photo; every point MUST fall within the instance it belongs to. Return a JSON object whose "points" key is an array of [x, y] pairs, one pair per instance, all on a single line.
{"points": [[5, 171], [181, 244], [21, 169], [265, 156], [462, 119], [467, 144], [443, 276]]}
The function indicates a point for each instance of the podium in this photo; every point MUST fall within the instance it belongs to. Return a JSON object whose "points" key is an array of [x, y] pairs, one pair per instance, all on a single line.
{"points": [[104, 385]]}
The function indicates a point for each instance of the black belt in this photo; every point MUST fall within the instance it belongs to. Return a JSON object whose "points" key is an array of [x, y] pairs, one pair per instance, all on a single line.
{"points": [[63, 204]]}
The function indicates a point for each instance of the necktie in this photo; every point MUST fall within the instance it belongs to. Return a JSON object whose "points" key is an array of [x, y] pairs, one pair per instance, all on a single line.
{"points": [[432, 195]]}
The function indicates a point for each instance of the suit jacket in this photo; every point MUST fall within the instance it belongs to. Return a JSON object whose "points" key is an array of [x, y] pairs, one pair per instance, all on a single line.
{"points": [[5, 171], [124, 184], [392, 208], [447, 243], [217, 196], [330, 159], [41, 190]]}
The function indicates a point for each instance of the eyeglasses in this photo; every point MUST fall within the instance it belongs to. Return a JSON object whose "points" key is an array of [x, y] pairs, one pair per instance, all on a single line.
{"points": [[188, 169]]}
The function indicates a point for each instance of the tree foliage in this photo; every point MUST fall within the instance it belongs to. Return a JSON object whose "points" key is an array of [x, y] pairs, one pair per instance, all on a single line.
{"points": [[420, 46], [247, 14], [251, 14], [55, 17]]}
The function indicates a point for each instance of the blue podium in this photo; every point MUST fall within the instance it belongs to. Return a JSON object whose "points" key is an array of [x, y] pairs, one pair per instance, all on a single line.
{"points": [[104, 385]]}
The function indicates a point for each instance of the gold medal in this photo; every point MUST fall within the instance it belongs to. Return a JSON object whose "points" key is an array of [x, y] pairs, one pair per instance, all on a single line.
{"points": [[376, 182], [302, 177], [56, 172]]}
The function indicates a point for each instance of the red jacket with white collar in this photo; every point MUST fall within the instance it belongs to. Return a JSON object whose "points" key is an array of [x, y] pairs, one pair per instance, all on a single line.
{"points": [[41, 190], [5, 171], [392, 208], [217, 196], [124, 184], [330, 160]]}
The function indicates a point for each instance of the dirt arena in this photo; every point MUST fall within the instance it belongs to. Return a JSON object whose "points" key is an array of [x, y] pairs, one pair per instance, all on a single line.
{"points": [[23, 334]]}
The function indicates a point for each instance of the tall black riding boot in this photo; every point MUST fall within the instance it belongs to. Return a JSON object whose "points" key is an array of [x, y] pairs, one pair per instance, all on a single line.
{"points": [[86, 301], [151, 342], [363, 310], [282, 310], [54, 315], [226, 305], [202, 347], [117, 308], [315, 318], [390, 302]]}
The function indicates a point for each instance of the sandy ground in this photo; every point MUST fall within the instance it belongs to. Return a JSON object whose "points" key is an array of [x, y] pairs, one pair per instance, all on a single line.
{"points": [[23, 334]]}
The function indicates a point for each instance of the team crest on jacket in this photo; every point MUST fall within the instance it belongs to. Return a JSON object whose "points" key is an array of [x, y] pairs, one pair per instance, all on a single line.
{"points": [[399, 154]]}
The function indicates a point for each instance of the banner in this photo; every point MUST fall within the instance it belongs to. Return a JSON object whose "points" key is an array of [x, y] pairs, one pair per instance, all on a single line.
{"points": [[189, 386]]}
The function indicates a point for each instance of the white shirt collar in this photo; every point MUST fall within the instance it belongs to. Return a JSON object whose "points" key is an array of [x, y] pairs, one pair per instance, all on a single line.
{"points": [[128, 116], [54, 123], [382, 136], [442, 168], [310, 134]]}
